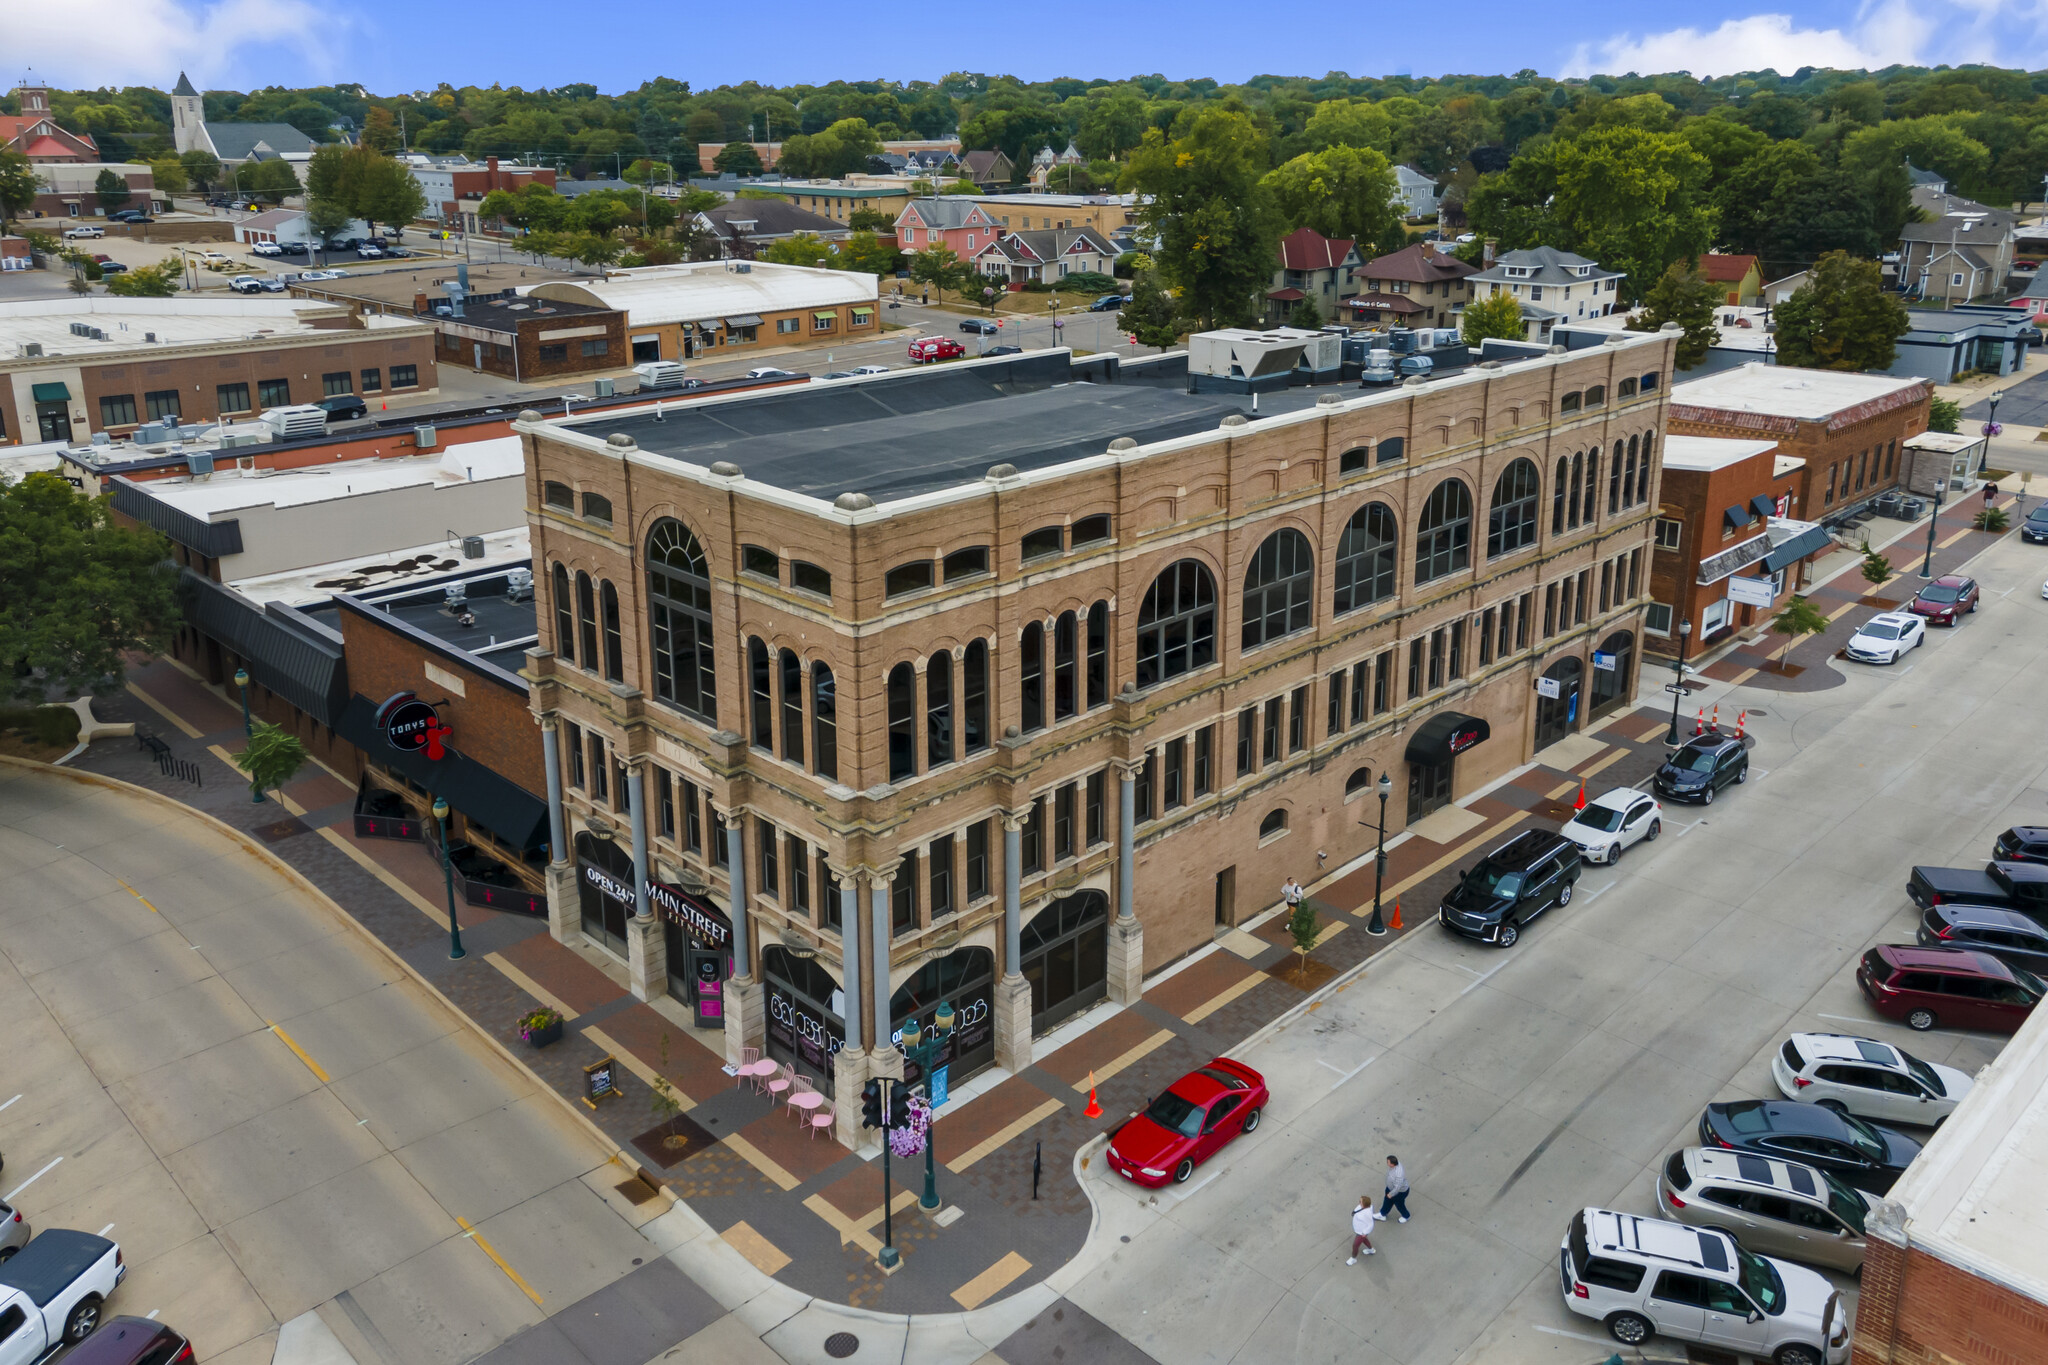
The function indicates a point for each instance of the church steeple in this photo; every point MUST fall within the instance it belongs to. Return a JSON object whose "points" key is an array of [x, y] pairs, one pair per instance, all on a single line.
{"points": [[188, 116], [184, 85]]}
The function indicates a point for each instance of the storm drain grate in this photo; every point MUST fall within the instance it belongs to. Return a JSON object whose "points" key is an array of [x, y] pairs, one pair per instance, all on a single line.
{"points": [[840, 1345]]}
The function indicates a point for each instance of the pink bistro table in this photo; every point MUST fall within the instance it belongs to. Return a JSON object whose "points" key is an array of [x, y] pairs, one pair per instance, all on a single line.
{"points": [[808, 1101], [757, 1070]]}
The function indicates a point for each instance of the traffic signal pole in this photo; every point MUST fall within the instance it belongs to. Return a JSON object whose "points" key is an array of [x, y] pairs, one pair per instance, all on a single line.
{"points": [[889, 1255]]}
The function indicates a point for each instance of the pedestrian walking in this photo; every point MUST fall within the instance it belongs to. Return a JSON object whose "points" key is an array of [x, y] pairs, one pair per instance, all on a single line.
{"points": [[1361, 1229], [1291, 892], [1397, 1190], [1990, 492]]}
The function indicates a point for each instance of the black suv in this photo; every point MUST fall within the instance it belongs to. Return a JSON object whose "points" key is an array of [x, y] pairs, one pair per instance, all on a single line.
{"points": [[2034, 530], [1511, 886], [343, 407], [2020, 844], [1702, 766]]}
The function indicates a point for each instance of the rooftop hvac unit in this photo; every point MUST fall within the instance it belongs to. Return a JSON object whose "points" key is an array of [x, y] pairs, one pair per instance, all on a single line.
{"points": [[149, 337], [98, 334], [454, 595], [149, 434], [100, 438], [424, 437], [199, 463], [519, 585], [744, 268], [603, 387], [31, 348], [299, 420], [472, 547]]}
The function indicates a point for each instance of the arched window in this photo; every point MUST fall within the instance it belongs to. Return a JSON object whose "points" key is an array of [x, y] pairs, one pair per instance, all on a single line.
{"points": [[760, 700], [1098, 654], [1354, 460], [1628, 483], [824, 721], [1557, 487], [902, 722], [565, 616], [1278, 588], [1443, 538], [1592, 500], [1511, 523], [792, 706], [1596, 395], [1365, 558], [1274, 823], [1358, 781], [1614, 476], [679, 615], [614, 647], [974, 697], [1568, 403], [1643, 469], [938, 709], [586, 620], [1578, 465], [1031, 679], [1064, 666], [1177, 623]]}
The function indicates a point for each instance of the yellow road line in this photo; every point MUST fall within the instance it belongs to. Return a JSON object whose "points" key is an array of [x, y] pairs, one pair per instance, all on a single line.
{"points": [[190, 731], [139, 896], [1460, 851], [1136, 1054], [1222, 998], [990, 1282], [761, 1161], [1007, 1132], [473, 1235], [848, 1230], [299, 1052], [538, 992]]}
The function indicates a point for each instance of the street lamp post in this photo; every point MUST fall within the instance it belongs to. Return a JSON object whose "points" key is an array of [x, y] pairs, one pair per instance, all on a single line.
{"points": [[1927, 566], [448, 880], [922, 1049], [1990, 430], [1678, 682], [1377, 926], [242, 681]]}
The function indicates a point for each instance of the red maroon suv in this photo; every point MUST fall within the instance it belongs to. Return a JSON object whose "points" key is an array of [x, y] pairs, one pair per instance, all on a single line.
{"points": [[1946, 600], [1959, 987]]}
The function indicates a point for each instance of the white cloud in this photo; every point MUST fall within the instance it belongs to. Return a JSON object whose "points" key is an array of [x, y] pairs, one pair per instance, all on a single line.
{"points": [[83, 44], [2007, 32]]}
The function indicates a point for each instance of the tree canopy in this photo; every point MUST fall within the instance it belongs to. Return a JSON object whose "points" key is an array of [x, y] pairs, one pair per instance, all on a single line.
{"points": [[1202, 201], [1684, 296], [1842, 318]]}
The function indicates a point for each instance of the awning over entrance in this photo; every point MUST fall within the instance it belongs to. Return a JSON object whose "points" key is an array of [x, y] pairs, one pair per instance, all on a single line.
{"points": [[1806, 542], [1444, 736], [52, 393], [500, 805], [744, 320]]}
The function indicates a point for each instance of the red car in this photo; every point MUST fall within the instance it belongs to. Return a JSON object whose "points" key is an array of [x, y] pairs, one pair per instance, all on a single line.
{"points": [[1959, 987], [1189, 1123], [132, 1341], [935, 348], [1944, 601]]}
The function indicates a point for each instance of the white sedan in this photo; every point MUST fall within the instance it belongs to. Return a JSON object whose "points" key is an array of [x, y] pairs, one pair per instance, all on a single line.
{"points": [[1613, 821], [266, 249], [1885, 637]]}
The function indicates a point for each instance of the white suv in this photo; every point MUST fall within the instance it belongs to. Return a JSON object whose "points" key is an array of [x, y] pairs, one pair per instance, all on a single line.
{"points": [[1642, 1276], [1868, 1078]]}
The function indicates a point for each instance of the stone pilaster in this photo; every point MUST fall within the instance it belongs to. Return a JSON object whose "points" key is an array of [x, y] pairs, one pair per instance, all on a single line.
{"points": [[1126, 960], [746, 1017], [646, 958], [849, 1074], [565, 905], [1013, 1020]]}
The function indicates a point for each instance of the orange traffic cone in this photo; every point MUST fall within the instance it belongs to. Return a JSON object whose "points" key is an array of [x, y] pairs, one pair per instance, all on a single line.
{"points": [[1094, 1110], [1741, 722], [1717, 717], [1699, 723], [1397, 916], [1580, 804]]}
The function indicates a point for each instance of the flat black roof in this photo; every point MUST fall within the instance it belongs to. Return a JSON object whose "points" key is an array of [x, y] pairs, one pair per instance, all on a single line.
{"points": [[907, 434], [499, 623]]}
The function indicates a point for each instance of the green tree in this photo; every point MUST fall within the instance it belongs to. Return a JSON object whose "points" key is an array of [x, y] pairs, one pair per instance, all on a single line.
{"points": [[18, 186], [1216, 225], [1684, 296], [939, 269], [737, 158], [272, 757], [869, 220], [386, 191], [270, 181], [1876, 569], [800, 248], [1991, 519], [1799, 617], [1111, 126], [1634, 201], [77, 592], [1842, 318], [1932, 143], [1306, 315], [112, 190], [1304, 928], [1342, 192], [1151, 315], [1496, 315], [865, 251], [158, 281], [1944, 414], [202, 168], [1348, 123], [646, 172], [168, 174], [380, 131]]}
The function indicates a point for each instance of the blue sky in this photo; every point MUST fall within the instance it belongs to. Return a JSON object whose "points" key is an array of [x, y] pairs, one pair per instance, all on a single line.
{"points": [[248, 43]]}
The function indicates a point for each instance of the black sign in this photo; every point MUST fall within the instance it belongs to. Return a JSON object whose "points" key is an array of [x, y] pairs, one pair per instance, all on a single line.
{"points": [[694, 915], [1465, 736], [600, 1081], [707, 971], [407, 722]]}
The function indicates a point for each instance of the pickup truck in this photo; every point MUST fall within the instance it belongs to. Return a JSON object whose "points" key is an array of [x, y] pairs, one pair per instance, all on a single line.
{"points": [[2002, 885], [53, 1290]]}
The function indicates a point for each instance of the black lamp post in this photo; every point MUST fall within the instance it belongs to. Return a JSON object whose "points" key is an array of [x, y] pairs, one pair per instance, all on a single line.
{"points": [[1927, 566], [242, 681], [922, 1048], [1990, 430], [448, 879], [1678, 683], [1378, 926]]}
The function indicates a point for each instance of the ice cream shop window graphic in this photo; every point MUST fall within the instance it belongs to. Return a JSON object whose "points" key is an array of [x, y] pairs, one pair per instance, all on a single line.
{"points": [[413, 726]]}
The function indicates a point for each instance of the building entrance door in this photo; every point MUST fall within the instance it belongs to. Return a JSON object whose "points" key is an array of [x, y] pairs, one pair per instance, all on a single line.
{"points": [[1558, 716], [1614, 685], [54, 421], [604, 886], [1066, 958], [1226, 897], [1429, 788]]}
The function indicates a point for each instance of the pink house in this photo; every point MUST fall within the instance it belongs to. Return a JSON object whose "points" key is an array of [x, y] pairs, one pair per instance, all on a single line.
{"points": [[952, 221]]}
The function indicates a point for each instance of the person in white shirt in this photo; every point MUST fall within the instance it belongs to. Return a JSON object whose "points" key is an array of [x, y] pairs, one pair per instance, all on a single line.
{"points": [[1291, 892], [1361, 1228], [1397, 1190]]}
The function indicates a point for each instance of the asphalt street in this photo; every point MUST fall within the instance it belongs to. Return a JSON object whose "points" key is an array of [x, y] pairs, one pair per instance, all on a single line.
{"points": [[1520, 1086]]}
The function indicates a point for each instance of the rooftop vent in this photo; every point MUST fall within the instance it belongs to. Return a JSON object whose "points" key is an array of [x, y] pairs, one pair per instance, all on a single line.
{"points": [[454, 594], [1122, 445], [859, 502], [619, 440], [726, 469], [519, 585]]}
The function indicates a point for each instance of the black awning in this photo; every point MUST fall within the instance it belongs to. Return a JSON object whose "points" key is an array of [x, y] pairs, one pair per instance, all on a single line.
{"points": [[1444, 736], [1763, 506], [508, 810], [1812, 540], [1737, 517]]}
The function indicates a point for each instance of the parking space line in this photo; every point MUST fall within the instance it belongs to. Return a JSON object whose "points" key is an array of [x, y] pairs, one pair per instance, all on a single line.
{"points": [[1353, 1071], [3, 1106], [105, 1230], [499, 1261], [1843, 1019], [32, 1180], [1484, 975], [299, 1052], [1592, 896], [1575, 1336]]}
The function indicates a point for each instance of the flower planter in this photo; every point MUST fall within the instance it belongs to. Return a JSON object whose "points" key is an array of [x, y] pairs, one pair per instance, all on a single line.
{"points": [[545, 1034]]}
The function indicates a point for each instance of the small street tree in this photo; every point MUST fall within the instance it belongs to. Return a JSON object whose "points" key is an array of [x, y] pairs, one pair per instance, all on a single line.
{"points": [[112, 190], [1151, 314], [1304, 928], [272, 758], [1684, 296], [1800, 617], [938, 268], [1991, 519], [1944, 414], [1876, 569], [1498, 316], [18, 186]]}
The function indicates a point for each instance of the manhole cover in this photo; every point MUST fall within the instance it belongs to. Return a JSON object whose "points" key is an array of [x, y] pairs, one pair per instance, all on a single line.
{"points": [[840, 1345]]}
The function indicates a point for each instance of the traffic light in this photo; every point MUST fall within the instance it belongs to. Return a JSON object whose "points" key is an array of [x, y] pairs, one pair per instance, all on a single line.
{"points": [[899, 1105], [871, 1105]]}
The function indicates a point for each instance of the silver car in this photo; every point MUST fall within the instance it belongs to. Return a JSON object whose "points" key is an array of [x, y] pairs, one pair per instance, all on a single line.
{"points": [[14, 1230], [1772, 1207]]}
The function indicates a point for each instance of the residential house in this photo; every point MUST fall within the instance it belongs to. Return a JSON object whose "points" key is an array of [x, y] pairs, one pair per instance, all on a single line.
{"points": [[231, 143], [1740, 279], [987, 169], [742, 226], [1415, 192], [1045, 256], [1045, 166], [1314, 267], [36, 134], [1777, 291], [1552, 286], [1418, 286], [953, 221], [1961, 255]]}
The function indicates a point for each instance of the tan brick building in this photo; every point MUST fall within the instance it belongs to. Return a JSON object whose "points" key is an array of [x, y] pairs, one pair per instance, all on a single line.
{"points": [[988, 686], [711, 308]]}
